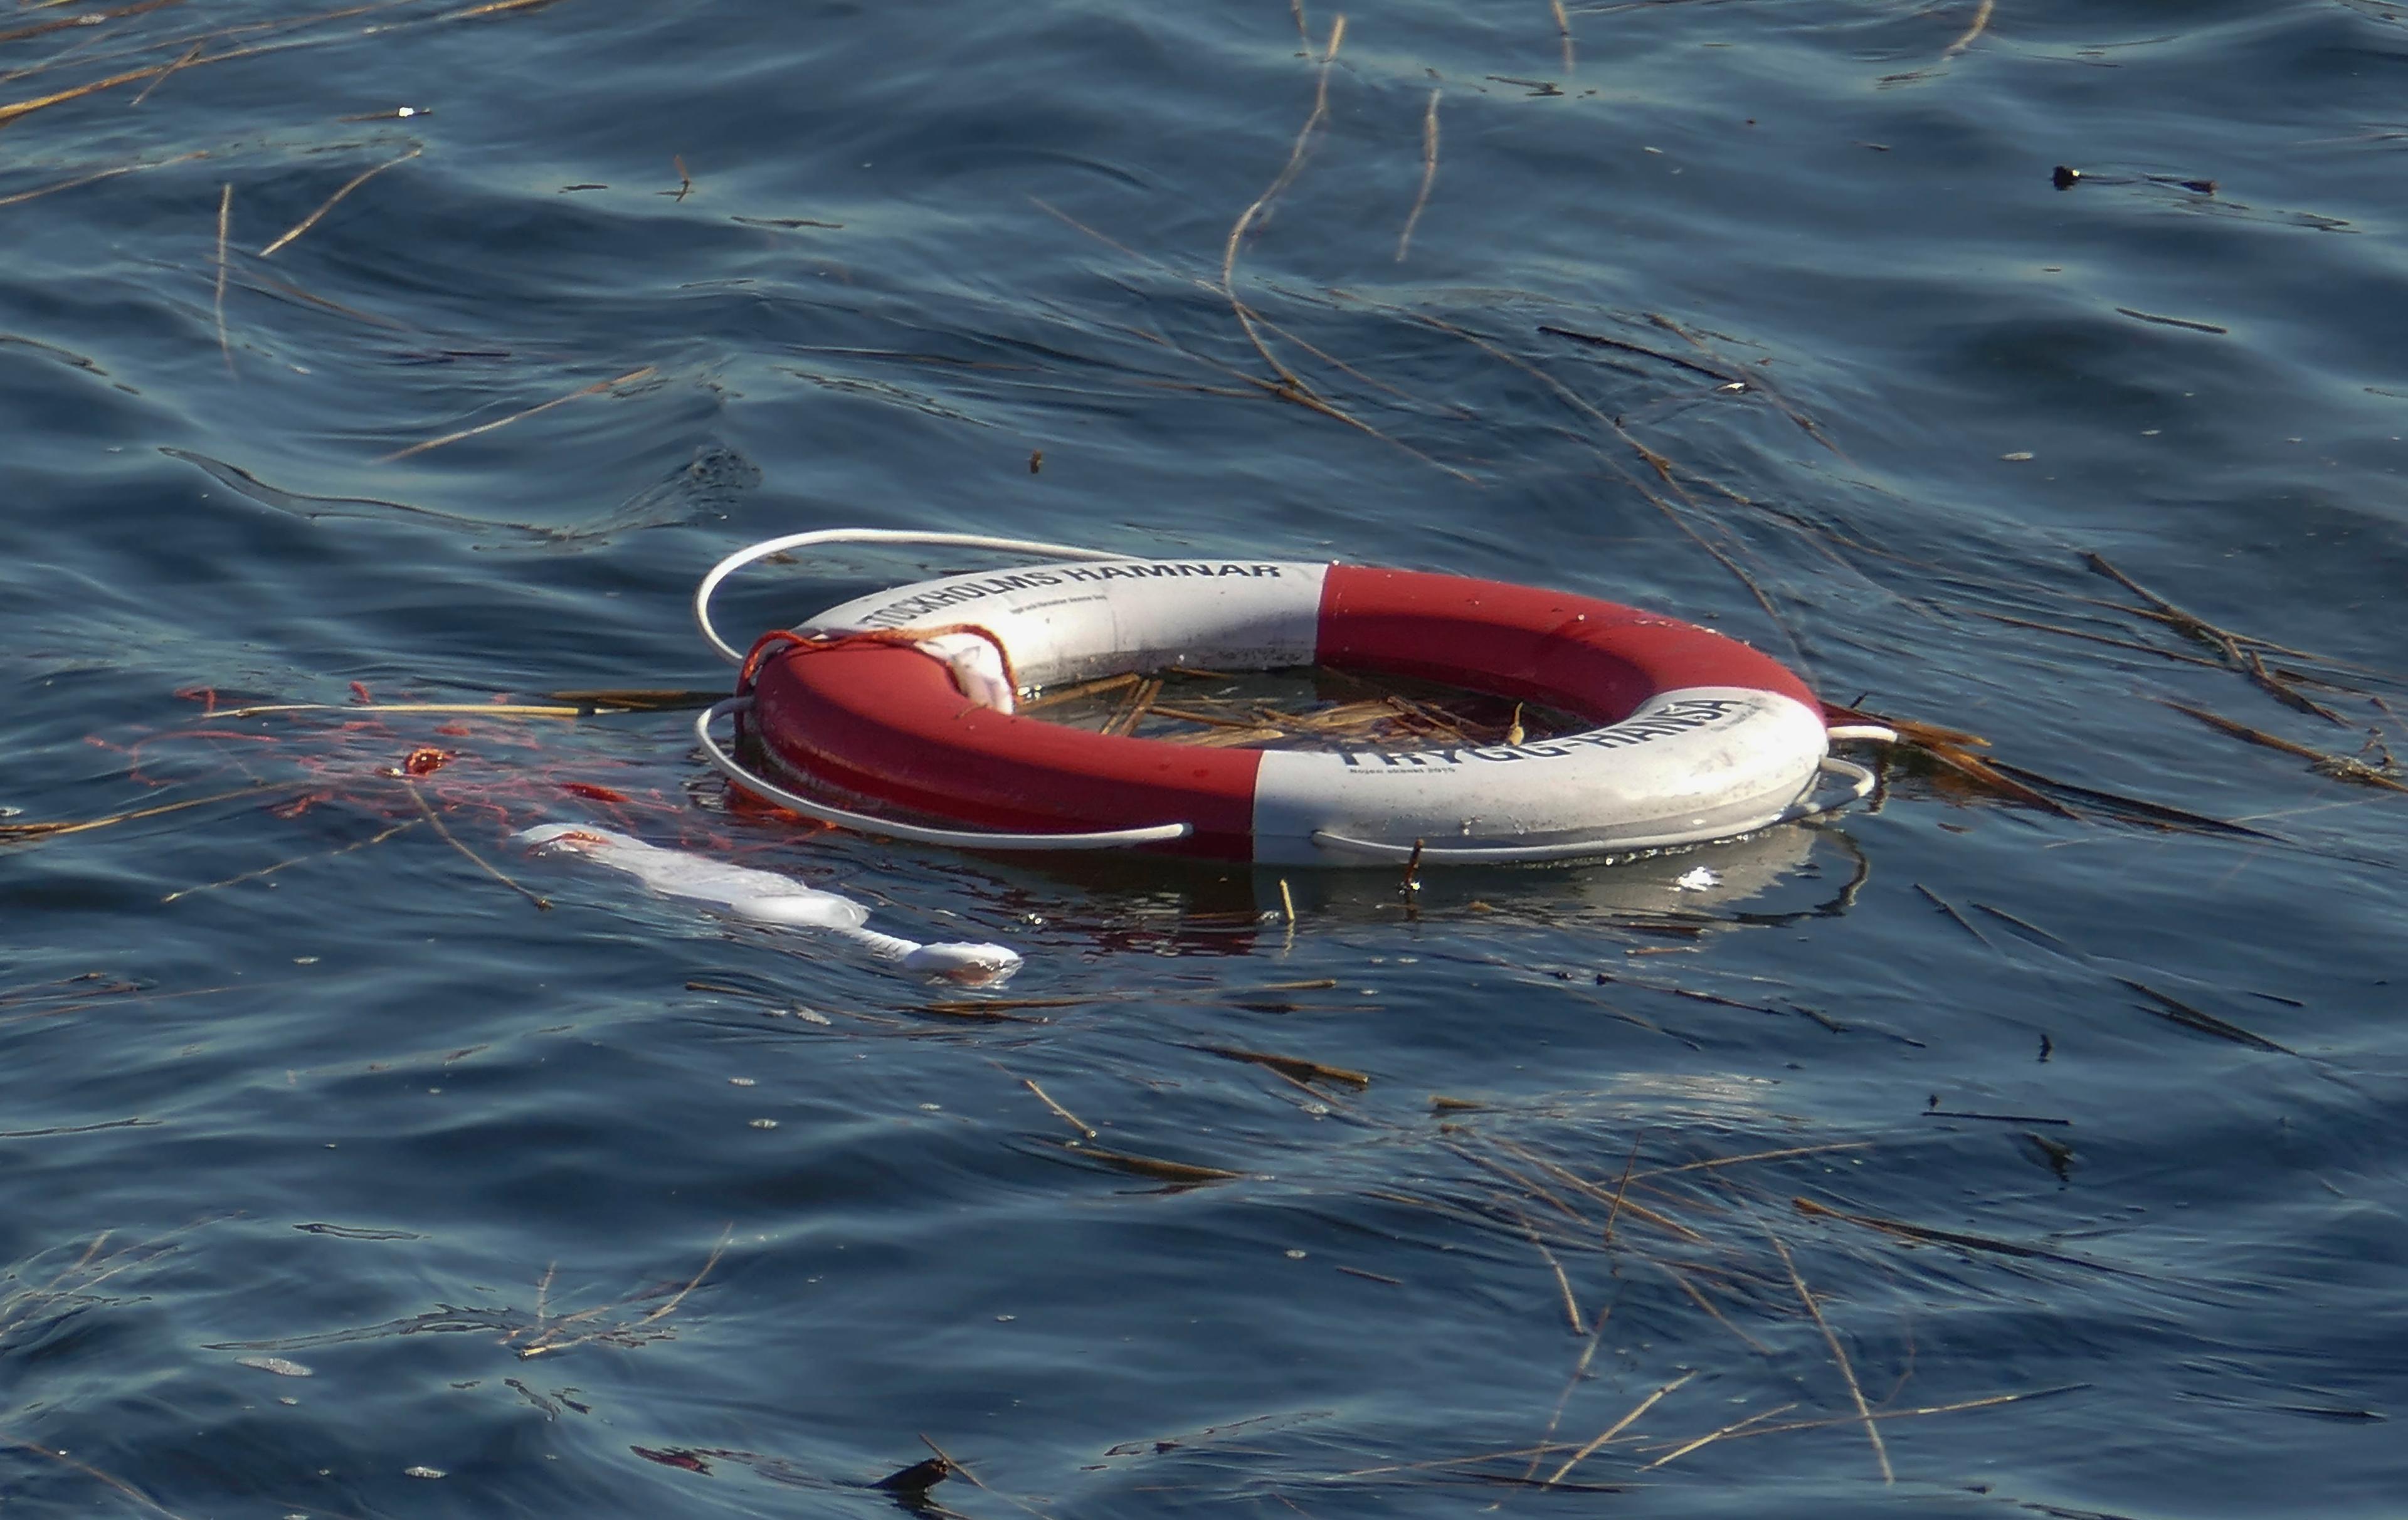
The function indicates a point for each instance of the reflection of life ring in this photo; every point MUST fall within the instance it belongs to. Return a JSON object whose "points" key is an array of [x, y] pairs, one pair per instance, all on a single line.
{"points": [[1700, 738]]}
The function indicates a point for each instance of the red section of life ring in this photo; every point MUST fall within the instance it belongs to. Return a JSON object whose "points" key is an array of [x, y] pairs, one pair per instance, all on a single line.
{"points": [[887, 722], [1598, 659]]}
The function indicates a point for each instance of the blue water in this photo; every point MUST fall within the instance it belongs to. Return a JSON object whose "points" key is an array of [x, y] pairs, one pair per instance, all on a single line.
{"points": [[375, 1115]]}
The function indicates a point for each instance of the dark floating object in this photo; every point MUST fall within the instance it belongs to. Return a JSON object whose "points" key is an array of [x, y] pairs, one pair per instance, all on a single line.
{"points": [[2065, 176], [2183, 322], [918, 1478]]}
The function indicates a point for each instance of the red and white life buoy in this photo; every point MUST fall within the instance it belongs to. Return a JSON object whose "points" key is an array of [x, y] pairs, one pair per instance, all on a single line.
{"points": [[904, 698]]}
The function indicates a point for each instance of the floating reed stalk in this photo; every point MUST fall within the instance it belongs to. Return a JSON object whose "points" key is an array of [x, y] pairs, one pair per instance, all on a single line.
{"points": [[171, 68], [484, 710], [225, 218], [542, 904], [26, 107], [10, 833], [547, 1338], [1993, 1401], [1708, 1439], [1981, 23], [95, 178], [1177, 1172], [1571, 1305], [1616, 1428], [595, 389], [1783, 1154], [1839, 1358], [493, 8], [1429, 169], [336, 199], [1086, 1131], [404, 825], [1261, 204], [1580, 1374]]}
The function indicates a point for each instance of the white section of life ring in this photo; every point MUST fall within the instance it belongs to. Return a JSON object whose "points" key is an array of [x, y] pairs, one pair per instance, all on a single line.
{"points": [[1690, 764], [1070, 621]]}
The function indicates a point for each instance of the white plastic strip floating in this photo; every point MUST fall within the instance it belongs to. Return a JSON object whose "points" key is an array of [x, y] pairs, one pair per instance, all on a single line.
{"points": [[766, 897]]}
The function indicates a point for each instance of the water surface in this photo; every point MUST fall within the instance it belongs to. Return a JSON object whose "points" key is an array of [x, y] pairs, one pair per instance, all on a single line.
{"points": [[1876, 387]]}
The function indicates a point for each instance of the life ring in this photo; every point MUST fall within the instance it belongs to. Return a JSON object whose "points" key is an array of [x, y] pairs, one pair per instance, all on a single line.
{"points": [[1700, 738]]}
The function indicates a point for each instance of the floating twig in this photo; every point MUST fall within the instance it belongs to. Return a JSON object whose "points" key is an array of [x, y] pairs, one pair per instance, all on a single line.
{"points": [[1972, 33], [26, 107], [1618, 1202], [336, 199], [1941, 1236], [2177, 1012], [11, 833], [639, 699], [1783, 1154], [1839, 1358], [2241, 652], [1616, 1428], [171, 68], [1571, 1305], [2062, 632], [1622, 1188], [124, 1487], [1280, 388], [217, 304], [595, 389], [1086, 1131], [1564, 30], [1084, 688], [1954, 916], [485, 709], [1708, 1439], [1993, 1401], [1655, 460], [403, 826], [2341, 768], [1179, 1173], [494, 7], [542, 904], [95, 178], [1580, 1374], [1598, 340], [547, 1338], [1293, 1066], [1134, 711], [2135, 809], [1261, 205], [1429, 167], [1681, 1280], [961, 1468]]}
